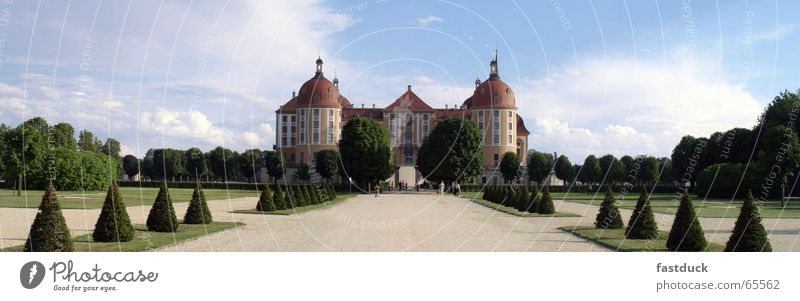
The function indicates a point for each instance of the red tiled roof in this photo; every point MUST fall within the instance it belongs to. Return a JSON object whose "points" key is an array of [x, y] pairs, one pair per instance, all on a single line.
{"points": [[521, 129], [409, 101], [289, 107]]}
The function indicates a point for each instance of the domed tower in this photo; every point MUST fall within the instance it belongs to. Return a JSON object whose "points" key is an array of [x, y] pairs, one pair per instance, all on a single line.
{"points": [[494, 109], [311, 119]]}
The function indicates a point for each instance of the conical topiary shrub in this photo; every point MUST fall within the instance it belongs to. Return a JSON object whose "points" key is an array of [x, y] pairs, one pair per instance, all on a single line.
{"points": [[489, 193], [642, 224], [748, 233], [686, 233], [315, 195], [298, 197], [511, 197], [162, 215], [113, 224], [289, 197], [332, 191], [522, 199], [494, 197], [534, 200], [49, 232], [485, 194], [306, 195], [265, 202], [546, 203], [608, 216], [279, 198], [198, 212]]}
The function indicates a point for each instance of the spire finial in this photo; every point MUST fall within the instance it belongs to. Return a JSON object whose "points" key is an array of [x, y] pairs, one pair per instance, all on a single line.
{"points": [[335, 79], [494, 72]]}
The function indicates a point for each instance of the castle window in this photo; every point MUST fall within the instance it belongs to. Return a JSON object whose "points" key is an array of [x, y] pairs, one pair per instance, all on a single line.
{"points": [[302, 126], [496, 127], [330, 126], [480, 121], [315, 127], [495, 100]]}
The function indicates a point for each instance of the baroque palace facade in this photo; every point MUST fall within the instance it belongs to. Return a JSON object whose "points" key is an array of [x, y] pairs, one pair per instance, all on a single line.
{"points": [[313, 118]]}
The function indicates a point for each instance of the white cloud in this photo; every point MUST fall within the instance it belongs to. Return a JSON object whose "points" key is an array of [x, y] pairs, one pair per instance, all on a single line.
{"points": [[427, 21], [622, 106]]}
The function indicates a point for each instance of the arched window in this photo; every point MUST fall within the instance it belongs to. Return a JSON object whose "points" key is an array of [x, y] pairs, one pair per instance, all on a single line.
{"points": [[495, 100]]}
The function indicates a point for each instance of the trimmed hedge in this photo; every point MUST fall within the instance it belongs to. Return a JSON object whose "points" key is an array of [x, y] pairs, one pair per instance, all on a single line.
{"points": [[642, 224], [748, 233], [49, 232], [686, 233], [162, 215], [265, 202], [608, 216], [113, 224], [198, 212], [545, 205]]}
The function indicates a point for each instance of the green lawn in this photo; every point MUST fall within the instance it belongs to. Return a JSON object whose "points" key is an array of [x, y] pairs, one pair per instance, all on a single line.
{"points": [[131, 195], [144, 240], [615, 239], [668, 203], [339, 198], [476, 197]]}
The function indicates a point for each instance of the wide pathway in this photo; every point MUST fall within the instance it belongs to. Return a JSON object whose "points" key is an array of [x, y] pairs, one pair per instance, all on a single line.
{"points": [[392, 222]]}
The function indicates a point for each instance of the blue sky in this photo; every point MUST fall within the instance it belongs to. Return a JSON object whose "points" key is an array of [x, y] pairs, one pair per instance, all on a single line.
{"points": [[621, 77]]}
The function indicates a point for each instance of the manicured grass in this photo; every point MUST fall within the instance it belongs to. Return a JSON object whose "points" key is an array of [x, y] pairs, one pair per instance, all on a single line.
{"points": [[668, 203], [514, 211], [131, 195], [144, 240], [615, 239], [339, 198]]}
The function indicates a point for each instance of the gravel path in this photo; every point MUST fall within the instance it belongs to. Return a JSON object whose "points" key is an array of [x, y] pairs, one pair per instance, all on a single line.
{"points": [[392, 222]]}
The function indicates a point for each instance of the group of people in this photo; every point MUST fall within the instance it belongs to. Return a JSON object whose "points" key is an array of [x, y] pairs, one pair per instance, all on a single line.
{"points": [[455, 188]]}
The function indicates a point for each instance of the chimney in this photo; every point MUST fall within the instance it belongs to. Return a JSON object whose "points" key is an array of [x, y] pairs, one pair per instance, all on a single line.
{"points": [[409, 87], [445, 107], [373, 105], [362, 105], [293, 94]]}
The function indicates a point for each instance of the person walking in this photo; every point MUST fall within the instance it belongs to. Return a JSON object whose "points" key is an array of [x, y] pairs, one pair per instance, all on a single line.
{"points": [[377, 189], [441, 188], [457, 190]]}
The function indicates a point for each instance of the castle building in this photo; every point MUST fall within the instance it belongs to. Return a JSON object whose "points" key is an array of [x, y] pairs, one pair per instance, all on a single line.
{"points": [[312, 120]]}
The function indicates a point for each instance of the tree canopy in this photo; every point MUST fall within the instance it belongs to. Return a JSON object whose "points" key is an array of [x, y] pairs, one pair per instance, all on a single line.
{"points": [[365, 150], [452, 152]]}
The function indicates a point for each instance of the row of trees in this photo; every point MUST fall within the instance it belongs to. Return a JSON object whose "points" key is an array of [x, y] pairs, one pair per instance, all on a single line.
{"points": [[34, 152], [606, 169]]}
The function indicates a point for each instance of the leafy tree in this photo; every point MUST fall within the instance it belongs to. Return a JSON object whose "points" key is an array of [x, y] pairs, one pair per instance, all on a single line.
{"points": [[114, 224], [87, 141], [303, 173], [111, 148], [534, 200], [591, 170], [629, 165], [81, 170], [279, 198], [222, 163], [539, 166], [198, 212], [162, 215], [49, 232], [563, 169], [748, 233], [25, 154], [612, 169], [265, 200], [648, 172], [169, 163], [64, 136], [509, 166], [686, 158], [686, 233], [327, 163], [274, 164], [642, 224], [608, 216], [365, 151], [130, 165], [781, 111], [665, 171], [299, 201], [523, 198], [196, 165], [545, 205], [250, 162], [452, 152]]}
